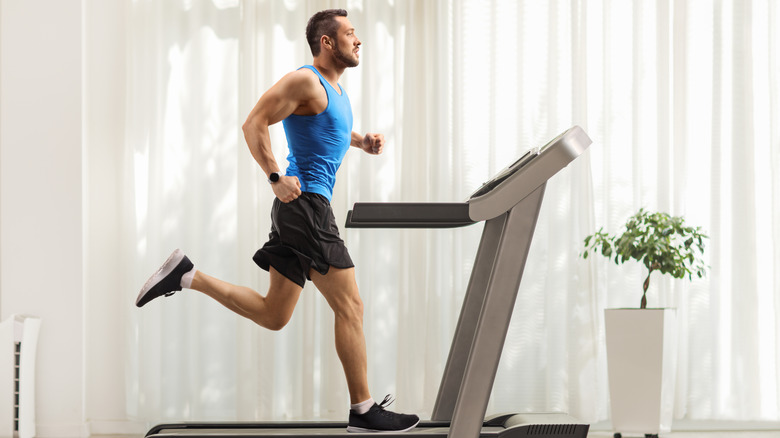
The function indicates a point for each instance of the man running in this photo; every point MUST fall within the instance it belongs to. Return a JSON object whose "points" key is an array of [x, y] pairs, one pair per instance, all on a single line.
{"points": [[304, 242]]}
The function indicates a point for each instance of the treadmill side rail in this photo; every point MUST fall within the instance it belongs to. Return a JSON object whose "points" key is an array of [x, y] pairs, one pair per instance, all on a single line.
{"points": [[501, 426], [547, 425]]}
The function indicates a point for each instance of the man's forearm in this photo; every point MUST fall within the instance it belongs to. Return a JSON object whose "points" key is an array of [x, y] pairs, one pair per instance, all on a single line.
{"points": [[259, 142], [356, 140]]}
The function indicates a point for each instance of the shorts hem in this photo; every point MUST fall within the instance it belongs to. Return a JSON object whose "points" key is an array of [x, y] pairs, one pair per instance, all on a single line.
{"points": [[328, 269], [264, 259]]}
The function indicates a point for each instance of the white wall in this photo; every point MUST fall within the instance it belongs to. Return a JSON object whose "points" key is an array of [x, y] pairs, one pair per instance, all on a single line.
{"points": [[41, 237], [104, 116], [61, 127]]}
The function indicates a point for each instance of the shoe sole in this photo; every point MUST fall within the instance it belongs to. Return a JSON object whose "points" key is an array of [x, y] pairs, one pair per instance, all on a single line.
{"points": [[353, 429], [170, 264]]}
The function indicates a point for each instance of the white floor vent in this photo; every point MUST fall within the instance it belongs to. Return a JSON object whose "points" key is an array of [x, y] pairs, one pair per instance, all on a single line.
{"points": [[18, 346]]}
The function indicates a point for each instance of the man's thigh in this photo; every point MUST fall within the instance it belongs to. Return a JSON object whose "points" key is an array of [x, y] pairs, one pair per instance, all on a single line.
{"points": [[283, 293], [338, 286]]}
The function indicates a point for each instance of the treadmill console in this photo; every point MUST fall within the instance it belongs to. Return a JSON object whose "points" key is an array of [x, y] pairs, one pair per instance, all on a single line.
{"points": [[527, 174], [506, 172]]}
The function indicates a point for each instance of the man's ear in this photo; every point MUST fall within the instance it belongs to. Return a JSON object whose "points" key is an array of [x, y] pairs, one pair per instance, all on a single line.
{"points": [[326, 41]]}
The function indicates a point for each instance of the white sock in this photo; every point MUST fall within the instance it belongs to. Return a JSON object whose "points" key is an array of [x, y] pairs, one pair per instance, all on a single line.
{"points": [[186, 279], [363, 407]]}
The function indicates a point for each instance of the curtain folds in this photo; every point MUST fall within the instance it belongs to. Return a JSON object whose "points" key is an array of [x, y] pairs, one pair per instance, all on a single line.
{"points": [[684, 112]]}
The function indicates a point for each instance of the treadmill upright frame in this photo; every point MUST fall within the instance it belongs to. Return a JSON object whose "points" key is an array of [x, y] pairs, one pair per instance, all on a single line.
{"points": [[484, 320]]}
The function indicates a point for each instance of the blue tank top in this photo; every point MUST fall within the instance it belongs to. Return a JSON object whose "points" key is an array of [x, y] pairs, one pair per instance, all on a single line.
{"points": [[318, 143]]}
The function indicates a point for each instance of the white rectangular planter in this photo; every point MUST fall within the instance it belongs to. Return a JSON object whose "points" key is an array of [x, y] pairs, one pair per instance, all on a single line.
{"points": [[641, 362]]}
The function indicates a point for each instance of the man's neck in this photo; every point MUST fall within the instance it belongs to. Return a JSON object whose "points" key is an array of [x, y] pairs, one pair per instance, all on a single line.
{"points": [[330, 72]]}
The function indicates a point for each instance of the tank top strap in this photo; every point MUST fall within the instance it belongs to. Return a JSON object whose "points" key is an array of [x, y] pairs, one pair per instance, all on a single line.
{"points": [[324, 81]]}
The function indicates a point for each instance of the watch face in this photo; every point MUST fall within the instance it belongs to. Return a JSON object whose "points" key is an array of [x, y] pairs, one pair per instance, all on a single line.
{"points": [[273, 177]]}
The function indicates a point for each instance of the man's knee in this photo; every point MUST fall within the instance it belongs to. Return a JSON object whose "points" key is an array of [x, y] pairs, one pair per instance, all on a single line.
{"points": [[275, 322], [278, 306], [274, 318]]}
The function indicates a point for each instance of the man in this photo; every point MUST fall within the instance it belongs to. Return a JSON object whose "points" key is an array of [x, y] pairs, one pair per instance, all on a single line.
{"points": [[304, 242]]}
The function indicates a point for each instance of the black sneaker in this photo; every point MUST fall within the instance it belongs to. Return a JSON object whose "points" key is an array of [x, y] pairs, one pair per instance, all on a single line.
{"points": [[377, 419], [167, 280]]}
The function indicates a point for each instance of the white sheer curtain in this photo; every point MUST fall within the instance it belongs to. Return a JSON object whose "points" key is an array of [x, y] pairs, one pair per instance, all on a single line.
{"points": [[684, 114]]}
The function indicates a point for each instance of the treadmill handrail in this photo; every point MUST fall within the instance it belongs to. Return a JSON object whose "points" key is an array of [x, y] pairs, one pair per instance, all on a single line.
{"points": [[494, 198], [408, 215]]}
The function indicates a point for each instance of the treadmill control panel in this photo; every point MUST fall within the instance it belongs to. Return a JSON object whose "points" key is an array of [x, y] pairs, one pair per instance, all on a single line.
{"points": [[506, 172]]}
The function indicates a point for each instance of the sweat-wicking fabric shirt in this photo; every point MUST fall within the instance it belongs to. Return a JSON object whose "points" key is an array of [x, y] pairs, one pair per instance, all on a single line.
{"points": [[318, 143]]}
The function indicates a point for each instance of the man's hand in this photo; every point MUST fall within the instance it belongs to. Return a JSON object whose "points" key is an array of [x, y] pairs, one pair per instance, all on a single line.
{"points": [[287, 189], [373, 143]]}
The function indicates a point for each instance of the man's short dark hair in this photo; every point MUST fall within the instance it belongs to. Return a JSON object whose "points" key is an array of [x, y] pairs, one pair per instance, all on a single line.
{"points": [[323, 23]]}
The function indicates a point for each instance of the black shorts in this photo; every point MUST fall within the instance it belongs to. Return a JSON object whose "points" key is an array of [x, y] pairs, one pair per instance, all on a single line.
{"points": [[303, 236]]}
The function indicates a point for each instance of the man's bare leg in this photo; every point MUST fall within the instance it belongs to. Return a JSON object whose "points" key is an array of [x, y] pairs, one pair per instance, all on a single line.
{"points": [[272, 311], [340, 290]]}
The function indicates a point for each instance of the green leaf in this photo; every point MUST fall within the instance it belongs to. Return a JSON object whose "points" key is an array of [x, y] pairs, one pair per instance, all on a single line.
{"points": [[656, 240]]}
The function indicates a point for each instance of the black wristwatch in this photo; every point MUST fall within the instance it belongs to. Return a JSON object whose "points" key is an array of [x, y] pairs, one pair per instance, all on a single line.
{"points": [[274, 177]]}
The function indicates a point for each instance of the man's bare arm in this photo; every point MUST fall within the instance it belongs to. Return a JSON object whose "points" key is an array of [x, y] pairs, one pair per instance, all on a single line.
{"points": [[370, 143], [293, 92]]}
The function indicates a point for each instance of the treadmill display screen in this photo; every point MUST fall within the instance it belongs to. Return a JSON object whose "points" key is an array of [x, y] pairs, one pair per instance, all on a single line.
{"points": [[506, 172]]}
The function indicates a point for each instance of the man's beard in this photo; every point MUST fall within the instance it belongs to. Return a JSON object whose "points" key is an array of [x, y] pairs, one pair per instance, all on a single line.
{"points": [[346, 60]]}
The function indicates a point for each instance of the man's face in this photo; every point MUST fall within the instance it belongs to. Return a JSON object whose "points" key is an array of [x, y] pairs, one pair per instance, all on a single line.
{"points": [[347, 44]]}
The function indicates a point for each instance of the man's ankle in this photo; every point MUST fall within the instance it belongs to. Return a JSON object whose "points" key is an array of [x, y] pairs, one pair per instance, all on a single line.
{"points": [[362, 407]]}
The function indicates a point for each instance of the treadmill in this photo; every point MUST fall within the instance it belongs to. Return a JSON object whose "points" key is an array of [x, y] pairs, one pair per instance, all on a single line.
{"points": [[509, 203]]}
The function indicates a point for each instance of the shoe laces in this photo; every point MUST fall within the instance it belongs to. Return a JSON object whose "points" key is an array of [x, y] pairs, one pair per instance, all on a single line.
{"points": [[386, 402]]}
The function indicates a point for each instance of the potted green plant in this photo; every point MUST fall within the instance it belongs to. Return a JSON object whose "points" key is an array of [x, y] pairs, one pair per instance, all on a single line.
{"points": [[641, 343]]}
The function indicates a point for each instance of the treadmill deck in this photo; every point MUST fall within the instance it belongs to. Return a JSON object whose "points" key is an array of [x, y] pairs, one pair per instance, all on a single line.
{"points": [[302, 429]]}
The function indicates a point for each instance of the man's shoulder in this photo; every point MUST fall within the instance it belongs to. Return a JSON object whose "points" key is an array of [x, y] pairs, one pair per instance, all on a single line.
{"points": [[303, 77], [302, 82]]}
